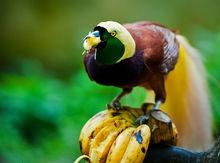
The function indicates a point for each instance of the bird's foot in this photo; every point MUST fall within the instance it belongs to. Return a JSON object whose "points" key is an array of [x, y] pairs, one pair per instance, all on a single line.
{"points": [[115, 105], [142, 119]]}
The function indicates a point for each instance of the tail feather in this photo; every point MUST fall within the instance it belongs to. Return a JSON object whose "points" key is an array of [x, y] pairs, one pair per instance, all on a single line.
{"points": [[187, 99]]}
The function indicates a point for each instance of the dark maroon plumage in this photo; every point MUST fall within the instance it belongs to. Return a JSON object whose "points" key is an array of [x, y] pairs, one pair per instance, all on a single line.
{"points": [[121, 74]]}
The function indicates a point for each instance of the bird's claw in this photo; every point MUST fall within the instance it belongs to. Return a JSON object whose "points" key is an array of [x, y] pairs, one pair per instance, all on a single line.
{"points": [[142, 119], [115, 105]]}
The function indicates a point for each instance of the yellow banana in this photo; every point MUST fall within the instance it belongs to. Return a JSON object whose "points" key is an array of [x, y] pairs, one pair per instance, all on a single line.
{"points": [[146, 107], [137, 146], [102, 142], [125, 114], [87, 132], [118, 148], [136, 112], [96, 123], [112, 136]]}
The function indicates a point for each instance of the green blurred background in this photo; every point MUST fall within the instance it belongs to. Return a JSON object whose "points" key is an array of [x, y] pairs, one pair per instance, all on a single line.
{"points": [[45, 94]]}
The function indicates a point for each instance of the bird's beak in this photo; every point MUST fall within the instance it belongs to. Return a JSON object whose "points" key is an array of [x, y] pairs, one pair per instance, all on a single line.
{"points": [[91, 40]]}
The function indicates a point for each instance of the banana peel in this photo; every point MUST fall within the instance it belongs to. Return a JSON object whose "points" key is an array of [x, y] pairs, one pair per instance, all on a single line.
{"points": [[117, 136]]}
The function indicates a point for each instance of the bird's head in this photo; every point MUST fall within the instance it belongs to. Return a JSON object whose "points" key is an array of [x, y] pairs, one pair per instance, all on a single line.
{"points": [[112, 42]]}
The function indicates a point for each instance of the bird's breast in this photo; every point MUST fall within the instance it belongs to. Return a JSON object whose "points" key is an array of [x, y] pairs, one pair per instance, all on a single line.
{"points": [[128, 72]]}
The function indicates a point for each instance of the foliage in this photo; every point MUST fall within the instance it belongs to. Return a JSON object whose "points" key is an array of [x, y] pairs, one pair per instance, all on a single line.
{"points": [[41, 117]]}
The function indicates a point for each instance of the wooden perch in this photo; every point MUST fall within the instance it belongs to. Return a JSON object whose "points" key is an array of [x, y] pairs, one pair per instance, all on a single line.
{"points": [[168, 154]]}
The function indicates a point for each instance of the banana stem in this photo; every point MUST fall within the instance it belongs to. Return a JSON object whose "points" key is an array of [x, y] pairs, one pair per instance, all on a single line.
{"points": [[83, 157]]}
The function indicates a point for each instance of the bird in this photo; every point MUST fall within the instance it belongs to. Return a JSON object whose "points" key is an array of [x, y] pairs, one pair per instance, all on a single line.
{"points": [[149, 55]]}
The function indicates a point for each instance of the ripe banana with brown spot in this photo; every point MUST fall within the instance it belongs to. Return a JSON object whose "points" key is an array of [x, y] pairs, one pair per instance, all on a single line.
{"points": [[96, 123], [102, 142], [136, 112], [113, 136], [119, 146], [138, 145], [125, 113], [146, 107]]}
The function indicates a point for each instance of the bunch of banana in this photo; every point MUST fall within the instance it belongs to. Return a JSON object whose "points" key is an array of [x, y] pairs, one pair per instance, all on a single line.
{"points": [[115, 136]]}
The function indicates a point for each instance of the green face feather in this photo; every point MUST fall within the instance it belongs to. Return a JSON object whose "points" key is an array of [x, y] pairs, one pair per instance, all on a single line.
{"points": [[112, 51]]}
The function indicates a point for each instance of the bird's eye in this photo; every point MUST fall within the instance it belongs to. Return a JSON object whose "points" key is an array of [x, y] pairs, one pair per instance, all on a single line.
{"points": [[113, 33]]}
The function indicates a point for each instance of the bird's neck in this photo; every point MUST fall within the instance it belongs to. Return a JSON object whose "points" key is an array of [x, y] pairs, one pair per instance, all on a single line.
{"points": [[111, 53]]}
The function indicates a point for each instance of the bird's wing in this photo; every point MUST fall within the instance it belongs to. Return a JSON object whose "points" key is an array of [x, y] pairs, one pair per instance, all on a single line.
{"points": [[171, 50], [159, 45]]}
